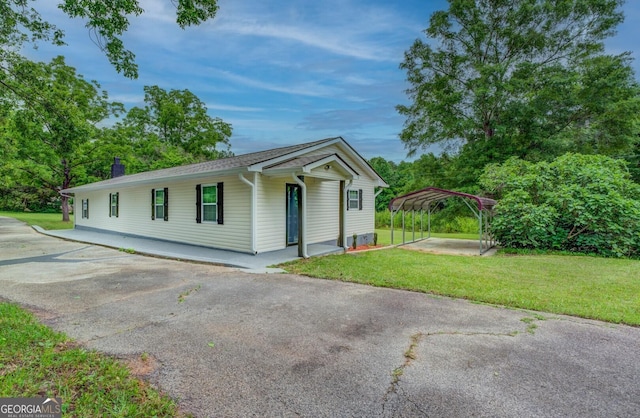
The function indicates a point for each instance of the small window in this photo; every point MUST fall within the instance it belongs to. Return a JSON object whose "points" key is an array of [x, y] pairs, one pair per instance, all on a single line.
{"points": [[209, 203], [159, 203], [354, 199], [85, 208], [113, 204]]}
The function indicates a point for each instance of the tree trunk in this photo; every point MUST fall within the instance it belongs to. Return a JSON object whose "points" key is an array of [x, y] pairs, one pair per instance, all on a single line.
{"points": [[66, 182], [65, 207]]}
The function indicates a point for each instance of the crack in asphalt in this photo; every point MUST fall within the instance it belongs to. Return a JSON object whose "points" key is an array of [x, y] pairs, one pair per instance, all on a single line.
{"points": [[410, 355]]}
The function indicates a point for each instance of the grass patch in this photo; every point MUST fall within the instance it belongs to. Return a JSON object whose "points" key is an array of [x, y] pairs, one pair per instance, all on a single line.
{"points": [[36, 361], [590, 287], [384, 236], [43, 220]]}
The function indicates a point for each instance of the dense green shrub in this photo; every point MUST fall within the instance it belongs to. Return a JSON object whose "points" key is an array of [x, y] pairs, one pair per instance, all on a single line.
{"points": [[580, 203]]}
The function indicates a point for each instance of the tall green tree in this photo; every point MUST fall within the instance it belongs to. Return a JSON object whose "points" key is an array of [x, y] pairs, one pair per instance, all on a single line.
{"points": [[526, 78], [397, 177], [106, 21], [173, 128], [53, 125], [179, 117]]}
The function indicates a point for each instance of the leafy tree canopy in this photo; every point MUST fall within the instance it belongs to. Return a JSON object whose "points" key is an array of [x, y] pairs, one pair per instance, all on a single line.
{"points": [[51, 129], [176, 120], [527, 78], [106, 20]]}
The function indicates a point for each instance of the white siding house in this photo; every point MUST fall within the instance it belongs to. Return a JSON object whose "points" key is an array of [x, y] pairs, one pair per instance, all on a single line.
{"points": [[318, 192]]}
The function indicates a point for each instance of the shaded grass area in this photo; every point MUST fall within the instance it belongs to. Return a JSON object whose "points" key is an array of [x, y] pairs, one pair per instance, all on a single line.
{"points": [[384, 236], [589, 287], [44, 220], [38, 362]]}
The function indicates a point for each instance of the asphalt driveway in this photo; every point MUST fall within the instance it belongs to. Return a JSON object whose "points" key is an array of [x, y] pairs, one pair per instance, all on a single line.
{"points": [[227, 343]]}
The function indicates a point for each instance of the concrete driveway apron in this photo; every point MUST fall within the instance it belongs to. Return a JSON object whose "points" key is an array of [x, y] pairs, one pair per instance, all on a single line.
{"points": [[227, 343]]}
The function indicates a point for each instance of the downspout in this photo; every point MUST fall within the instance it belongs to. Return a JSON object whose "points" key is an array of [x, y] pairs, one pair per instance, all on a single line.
{"points": [[254, 212], [303, 187], [345, 199]]}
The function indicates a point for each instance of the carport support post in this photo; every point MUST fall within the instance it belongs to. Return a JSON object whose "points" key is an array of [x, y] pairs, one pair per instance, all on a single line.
{"points": [[392, 215], [413, 225], [429, 220], [480, 228], [421, 227], [403, 228]]}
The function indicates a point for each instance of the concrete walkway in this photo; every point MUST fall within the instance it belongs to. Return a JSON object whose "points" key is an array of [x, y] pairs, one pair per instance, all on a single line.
{"points": [[258, 263]]}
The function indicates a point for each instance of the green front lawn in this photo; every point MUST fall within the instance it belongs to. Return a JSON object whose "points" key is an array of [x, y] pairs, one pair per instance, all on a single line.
{"points": [[589, 287], [44, 220], [38, 362]]}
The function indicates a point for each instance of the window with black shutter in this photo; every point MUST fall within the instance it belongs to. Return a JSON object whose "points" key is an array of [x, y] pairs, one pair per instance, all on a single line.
{"points": [[85, 208], [160, 204], [114, 209], [210, 203]]}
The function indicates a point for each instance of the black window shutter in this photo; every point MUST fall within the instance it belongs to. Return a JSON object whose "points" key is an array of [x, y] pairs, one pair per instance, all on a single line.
{"points": [[359, 199], [220, 203], [87, 208], [110, 204], [153, 204], [166, 203], [198, 203], [117, 204], [348, 198]]}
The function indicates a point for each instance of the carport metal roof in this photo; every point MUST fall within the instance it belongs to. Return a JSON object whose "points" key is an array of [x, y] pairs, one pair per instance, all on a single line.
{"points": [[422, 199], [428, 199]]}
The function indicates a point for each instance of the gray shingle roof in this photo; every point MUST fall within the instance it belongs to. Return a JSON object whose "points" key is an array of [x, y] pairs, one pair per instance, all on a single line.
{"points": [[213, 166], [298, 161]]}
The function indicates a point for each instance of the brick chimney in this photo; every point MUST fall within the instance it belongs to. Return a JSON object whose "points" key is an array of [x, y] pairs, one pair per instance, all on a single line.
{"points": [[117, 169]]}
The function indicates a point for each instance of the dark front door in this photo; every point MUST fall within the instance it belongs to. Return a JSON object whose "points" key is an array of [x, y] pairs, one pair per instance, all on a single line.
{"points": [[293, 213]]}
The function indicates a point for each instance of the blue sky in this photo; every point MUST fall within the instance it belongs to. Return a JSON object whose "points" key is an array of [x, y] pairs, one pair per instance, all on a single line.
{"points": [[281, 72]]}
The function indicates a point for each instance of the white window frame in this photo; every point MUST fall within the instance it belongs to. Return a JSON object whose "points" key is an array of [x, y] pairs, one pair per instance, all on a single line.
{"points": [[203, 204], [85, 208], [351, 200], [156, 204], [115, 202]]}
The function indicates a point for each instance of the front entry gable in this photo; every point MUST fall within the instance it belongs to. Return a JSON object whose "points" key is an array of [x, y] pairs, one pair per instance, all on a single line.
{"points": [[324, 167]]}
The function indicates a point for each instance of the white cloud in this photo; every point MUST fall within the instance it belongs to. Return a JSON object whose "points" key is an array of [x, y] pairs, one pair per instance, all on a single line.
{"points": [[326, 39], [351, 28], [232, 108], [309, 88]]}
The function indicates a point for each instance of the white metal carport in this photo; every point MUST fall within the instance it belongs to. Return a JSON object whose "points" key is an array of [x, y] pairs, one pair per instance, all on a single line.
{"points": [[428, 199]]}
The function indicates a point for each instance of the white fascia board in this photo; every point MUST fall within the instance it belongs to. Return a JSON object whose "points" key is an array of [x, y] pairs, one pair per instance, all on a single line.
{"points": [[338, 140], [260, 166], [354, 154], [332, 159]]}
